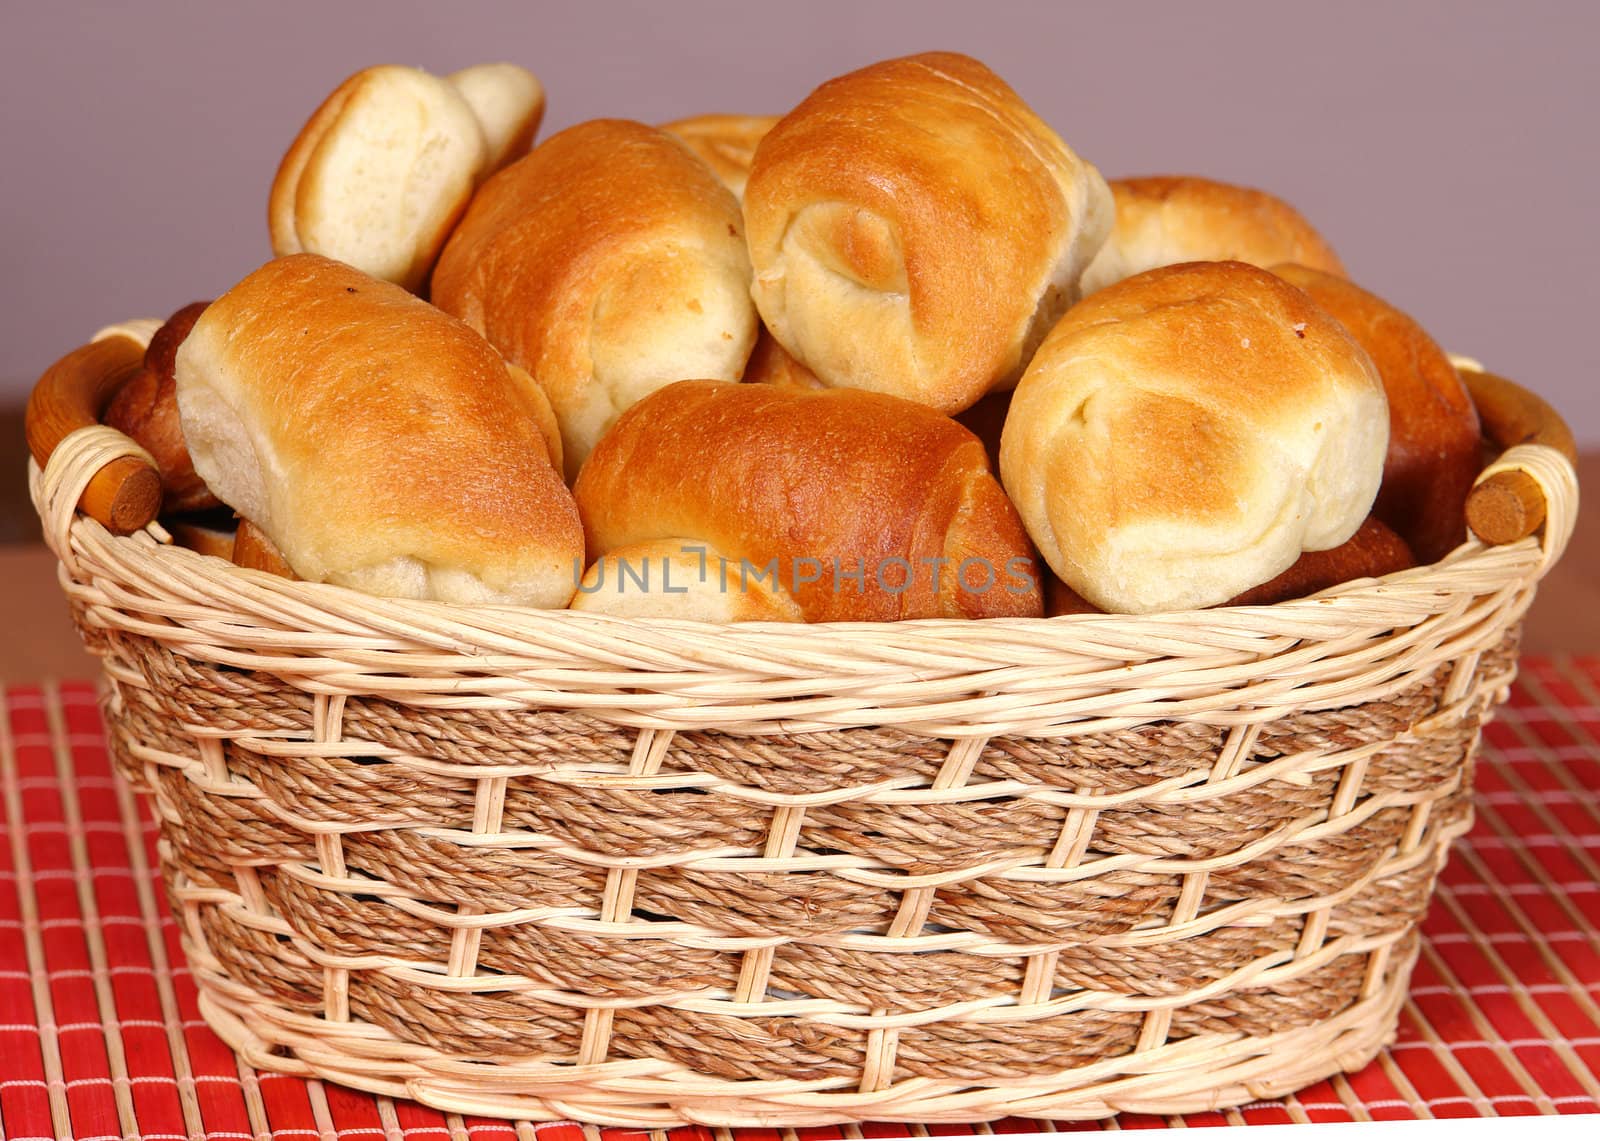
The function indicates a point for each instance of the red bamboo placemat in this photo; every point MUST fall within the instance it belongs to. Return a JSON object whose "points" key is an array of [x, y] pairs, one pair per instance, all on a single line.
{"points": [[100, 1039]]}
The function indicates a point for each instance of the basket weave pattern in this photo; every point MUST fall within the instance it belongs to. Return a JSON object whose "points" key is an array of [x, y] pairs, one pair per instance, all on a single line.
{"points": [[563, 865]]}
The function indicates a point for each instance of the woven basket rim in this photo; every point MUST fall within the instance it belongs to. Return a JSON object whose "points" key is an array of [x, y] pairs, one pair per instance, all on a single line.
{"points": [[1470, 556], [55, 492]]}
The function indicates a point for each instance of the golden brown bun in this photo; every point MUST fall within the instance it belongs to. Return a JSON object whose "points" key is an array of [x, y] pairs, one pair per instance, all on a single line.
{"points": [[725, 143], [379, 174], [1435, 440], [1060, 599], [801, 482], [252, 549], [608, 263], [508, 102], [1165, 220], [1185, 434], [377, 442], [915, 229], [161, 354], [1372, 552], [145, 409], [771, 364]]}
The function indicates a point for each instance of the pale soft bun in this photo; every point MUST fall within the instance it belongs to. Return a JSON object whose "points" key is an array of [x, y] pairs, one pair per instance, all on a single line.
{"points": [[509, 103], [377, 442], [1185, 434], [788, 492], [1435, 441], [725, 143], [380, 174], [1166, 219], [608, 263], [1372, 552], [915, 229]]}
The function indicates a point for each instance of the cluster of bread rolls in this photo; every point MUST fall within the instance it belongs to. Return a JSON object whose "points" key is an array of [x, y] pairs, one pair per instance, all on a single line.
{"points": [[898, 353]]}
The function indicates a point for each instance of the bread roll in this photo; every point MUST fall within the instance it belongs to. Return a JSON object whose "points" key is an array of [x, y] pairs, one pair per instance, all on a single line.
{"points": [[252, 549], [1435, 441], [1372, 552], [822, 505], [1165, 220], [145, 409], [161, 354], [377, 442], [725, 143], [1061, 600], [608, 263], [380, 174], [1185, 434], [508, 102], [915, 229], [770, 363], [209, 536]]}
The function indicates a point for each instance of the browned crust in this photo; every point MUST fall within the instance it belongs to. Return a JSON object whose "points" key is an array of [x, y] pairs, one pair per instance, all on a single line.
{"points": [[781, 474], [1169, 219], [145, 409], [726, 143], [907, 175], [252, 549], [1435, 440], [607, 251]]}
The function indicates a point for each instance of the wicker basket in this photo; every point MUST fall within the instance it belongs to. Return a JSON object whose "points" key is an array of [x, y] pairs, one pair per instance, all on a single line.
{"points": [[559, 865]]}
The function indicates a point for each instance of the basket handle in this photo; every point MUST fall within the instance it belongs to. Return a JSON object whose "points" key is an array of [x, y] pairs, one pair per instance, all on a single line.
{"points": [[1508, 502], [125, 494]]}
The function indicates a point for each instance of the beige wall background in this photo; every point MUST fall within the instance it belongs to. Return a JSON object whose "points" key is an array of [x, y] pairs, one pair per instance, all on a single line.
{"points": [[1448, 150]]}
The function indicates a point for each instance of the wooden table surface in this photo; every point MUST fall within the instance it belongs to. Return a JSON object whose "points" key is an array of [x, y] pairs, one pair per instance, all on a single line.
{"points": [[37, 640]]}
